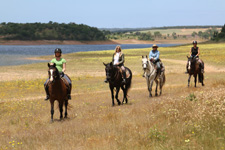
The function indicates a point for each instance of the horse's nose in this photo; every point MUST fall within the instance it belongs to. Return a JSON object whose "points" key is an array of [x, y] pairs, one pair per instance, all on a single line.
{"points": [[144, 66]]}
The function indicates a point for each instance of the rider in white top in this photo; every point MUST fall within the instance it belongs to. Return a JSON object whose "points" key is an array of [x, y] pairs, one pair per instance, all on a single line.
{"points": [[116, 58]]}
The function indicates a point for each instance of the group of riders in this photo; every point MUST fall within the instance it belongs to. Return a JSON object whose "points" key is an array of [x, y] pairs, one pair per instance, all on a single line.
{"points": [[118, 60]]}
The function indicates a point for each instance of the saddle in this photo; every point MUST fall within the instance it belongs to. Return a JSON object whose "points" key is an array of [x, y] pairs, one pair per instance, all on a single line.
{"points": [[126, 70], [66, 82]]}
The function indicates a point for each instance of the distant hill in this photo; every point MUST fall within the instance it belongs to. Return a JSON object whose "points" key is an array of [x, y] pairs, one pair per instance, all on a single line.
{"points": [[50, 31], [158, 28]]}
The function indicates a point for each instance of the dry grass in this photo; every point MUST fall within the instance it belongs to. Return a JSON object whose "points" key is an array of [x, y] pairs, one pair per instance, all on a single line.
{"points": [[182, 118]]}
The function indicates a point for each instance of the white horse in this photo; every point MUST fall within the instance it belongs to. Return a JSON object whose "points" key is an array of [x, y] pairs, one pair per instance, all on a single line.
{"points": [[152, 75]]}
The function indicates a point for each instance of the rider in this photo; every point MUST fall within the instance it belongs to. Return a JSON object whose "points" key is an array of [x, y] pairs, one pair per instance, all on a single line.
{"points": [[194, 53], [118, 60], [154, 57], [61, 66]]}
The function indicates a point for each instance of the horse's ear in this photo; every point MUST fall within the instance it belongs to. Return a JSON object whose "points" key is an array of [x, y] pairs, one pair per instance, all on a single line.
{"points": [[146, 56], [48, 65], [54, 64], [104, 64], [187, 56], [111, 64], [142, 56]]}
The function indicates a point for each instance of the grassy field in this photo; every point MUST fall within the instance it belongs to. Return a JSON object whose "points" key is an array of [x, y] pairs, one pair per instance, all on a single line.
{"points": [[182, 118]]}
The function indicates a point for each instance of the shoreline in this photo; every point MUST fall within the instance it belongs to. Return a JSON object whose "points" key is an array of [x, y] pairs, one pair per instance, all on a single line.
{"points": [[108, 42]]}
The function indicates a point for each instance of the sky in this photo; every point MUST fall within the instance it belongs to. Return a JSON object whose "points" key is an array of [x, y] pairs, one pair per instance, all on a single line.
{"points": [[116, 13]]}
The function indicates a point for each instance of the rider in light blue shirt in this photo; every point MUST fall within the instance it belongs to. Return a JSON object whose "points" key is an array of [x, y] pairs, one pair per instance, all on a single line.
{"points": [[154, 57]]}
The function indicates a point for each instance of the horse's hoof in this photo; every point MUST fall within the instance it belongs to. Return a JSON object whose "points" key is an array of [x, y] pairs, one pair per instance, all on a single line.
{"points": [[203, 84], [150, 95], [156, 94]]}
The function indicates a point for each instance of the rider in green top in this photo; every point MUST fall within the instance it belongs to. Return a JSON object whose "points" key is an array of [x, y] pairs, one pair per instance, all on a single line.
{"points": [[61, 66], [59, 63]]}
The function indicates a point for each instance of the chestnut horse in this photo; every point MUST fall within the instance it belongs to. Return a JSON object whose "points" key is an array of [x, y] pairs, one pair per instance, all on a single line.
{"points": [[114, 77], [57, 91], [194, 69]]}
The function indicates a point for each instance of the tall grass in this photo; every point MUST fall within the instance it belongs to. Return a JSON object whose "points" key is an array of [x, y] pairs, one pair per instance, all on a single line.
{"points": [[182, 118]]}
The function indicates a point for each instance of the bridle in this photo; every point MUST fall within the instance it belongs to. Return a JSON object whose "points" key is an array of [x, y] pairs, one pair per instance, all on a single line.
{"points": [[53, 74], [113, 75]]}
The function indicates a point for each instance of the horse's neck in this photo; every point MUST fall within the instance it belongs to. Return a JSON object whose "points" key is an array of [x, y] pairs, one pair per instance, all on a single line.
{"points": [[150, 69]]}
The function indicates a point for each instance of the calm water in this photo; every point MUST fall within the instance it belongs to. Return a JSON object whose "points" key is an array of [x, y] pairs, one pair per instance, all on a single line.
{"points": [[16, 55]]}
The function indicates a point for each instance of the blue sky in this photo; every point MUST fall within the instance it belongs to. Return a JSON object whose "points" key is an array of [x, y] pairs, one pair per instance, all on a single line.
{"points": [[116, 13]]}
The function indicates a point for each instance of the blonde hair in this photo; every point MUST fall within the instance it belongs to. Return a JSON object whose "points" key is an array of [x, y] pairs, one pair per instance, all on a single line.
{"points": [[118, 46]]}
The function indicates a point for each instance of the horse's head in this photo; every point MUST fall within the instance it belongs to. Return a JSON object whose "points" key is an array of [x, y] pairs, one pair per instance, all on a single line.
{"points": [[191, 63], [109, 71], [145, 62], [53, 72]]}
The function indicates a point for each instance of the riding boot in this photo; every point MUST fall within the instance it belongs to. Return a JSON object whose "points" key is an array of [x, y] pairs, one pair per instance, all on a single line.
{"points": [[69, 92], [124, 77], [47, 92]]}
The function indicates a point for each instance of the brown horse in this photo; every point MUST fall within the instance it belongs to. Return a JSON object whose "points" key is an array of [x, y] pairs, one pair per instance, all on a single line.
{"points": [[57, 91], [194, 69], [114, 77]]}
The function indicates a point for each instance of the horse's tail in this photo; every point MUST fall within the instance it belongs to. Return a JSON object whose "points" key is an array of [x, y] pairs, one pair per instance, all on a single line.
{"points": [[128, 85], [200, 77]]}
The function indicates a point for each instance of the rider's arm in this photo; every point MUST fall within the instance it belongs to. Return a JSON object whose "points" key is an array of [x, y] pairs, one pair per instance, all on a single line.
{"points": [[190, 52], [150, 55], [198, 52], [157, 56], [122, 61], [64, 67]]}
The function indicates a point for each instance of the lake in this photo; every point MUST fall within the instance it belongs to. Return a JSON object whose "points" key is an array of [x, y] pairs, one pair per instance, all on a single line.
{"points": [[17, 54]]}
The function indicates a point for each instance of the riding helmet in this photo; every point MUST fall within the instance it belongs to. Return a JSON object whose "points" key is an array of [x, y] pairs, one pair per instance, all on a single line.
{"points": [[58, 50], [195, 42]]}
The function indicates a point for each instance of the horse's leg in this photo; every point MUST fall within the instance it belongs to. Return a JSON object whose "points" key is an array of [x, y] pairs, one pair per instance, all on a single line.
{"points": [[189, 79], [112, 94], [195, 79], [66, 104], [61, 110], [157, 82], [161, 85], [202, 76], [150, 87], [117, 92], [52, 109], [148, 84], [124, 94]]}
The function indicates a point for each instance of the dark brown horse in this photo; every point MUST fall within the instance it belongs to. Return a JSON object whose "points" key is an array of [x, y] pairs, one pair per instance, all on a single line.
{"points": [[57, 91], [195, 70], [114, 77]]}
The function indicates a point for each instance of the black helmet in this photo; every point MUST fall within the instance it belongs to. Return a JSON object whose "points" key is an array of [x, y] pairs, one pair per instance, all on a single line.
{"points": [[195, 42], [58, 50]]}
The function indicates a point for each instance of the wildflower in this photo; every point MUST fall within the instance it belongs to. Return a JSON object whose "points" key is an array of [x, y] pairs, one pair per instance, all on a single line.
{"points": [[187, 140]]}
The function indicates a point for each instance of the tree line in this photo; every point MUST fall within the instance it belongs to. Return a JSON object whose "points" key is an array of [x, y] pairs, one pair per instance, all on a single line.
{"points": [[50, 31], [219, 36]]}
